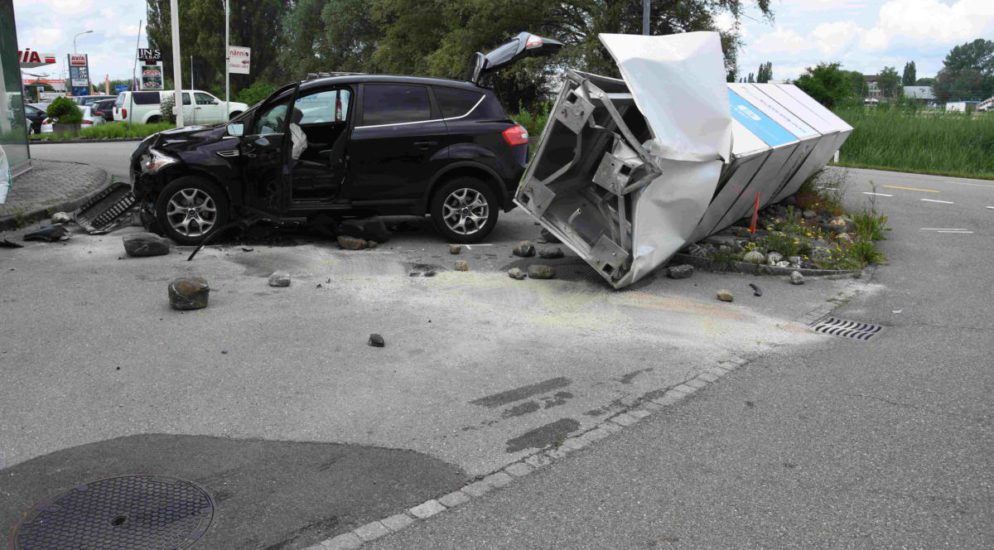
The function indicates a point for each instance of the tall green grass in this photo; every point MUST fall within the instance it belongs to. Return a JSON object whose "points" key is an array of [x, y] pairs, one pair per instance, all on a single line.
{"points": [[953, 144], [111, 130]]}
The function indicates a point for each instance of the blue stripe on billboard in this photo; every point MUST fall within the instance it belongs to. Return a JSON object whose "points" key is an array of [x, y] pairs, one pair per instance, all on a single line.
{"points": [[764, 127]]}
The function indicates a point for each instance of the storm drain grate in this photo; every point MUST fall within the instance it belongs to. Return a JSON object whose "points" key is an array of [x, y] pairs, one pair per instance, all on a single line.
{"points": [[126, 513], [847, 329]]}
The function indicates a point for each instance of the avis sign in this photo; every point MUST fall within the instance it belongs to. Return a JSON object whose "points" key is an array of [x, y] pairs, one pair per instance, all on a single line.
{"points": [[29, 58], [239, 59]]}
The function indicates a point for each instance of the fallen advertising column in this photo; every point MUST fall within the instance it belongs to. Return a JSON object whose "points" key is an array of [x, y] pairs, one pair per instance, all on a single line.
{"points": [[630, 171]]}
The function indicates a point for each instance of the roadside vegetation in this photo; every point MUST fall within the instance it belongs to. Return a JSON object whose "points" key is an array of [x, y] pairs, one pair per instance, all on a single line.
{"points": [[111, 130]]}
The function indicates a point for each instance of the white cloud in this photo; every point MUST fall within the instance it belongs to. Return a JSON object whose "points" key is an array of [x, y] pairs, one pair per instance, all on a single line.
{"points": [[908, 22], [835, 38]]}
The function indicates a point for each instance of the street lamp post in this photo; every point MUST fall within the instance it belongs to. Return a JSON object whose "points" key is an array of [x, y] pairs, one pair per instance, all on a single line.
{"points": [[77, 36], [646, 8]]}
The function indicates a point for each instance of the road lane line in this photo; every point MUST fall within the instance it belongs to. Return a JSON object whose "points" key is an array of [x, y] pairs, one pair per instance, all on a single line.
{"points": [[940, 202], [943, 229], [921, 189], [990, 207], [877, 194], [956, 232]]}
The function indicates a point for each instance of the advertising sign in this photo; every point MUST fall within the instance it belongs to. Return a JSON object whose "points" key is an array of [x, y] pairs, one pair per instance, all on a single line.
{"points": [[30, 59], [149, 55], [77, 60], [151, 78], [239, 59], [120, 88], [79, 74]]}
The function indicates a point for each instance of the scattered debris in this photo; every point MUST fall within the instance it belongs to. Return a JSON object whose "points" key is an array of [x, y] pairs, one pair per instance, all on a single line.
{"points": [[376, 341], [462, 265], [455, 248], [8, 244], [141, 245], [516, 274], [48, 233], [108, 210], [680, 271], [541, 271], [186, 293], [279, 279], [352, 243], [754, 257], [796, 278], [726, 295], [61, 217], [756, 291], [773, 258], [551, 253], [549, 237], [247, 249], [524, 249], [368, 229]]}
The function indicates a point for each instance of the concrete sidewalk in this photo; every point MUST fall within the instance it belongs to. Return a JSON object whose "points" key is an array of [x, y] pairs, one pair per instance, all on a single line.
{"points": [[50, 186]]}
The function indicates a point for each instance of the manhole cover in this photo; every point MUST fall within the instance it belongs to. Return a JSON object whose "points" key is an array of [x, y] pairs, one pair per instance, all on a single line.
{"points": [[847, 329], [127, 513]]}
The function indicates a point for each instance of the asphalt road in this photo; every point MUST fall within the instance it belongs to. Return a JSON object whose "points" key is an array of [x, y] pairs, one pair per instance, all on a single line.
{"points": [[887, 443], [111, 156]]}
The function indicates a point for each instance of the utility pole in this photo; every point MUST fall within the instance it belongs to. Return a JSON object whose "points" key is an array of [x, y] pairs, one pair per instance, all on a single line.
{"points": [[191, 73], [227, 61], [177, 61], [646, 8]]}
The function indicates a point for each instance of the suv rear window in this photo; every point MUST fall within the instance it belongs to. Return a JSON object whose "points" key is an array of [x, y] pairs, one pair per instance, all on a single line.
{"points": [[455, 102], [145, 98], [394, 103]]}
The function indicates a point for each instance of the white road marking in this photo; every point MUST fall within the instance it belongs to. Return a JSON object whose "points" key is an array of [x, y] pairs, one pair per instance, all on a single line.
{"points": [[990, 207], [943, 229], [938, 201], [956, 232], [877, 194]]}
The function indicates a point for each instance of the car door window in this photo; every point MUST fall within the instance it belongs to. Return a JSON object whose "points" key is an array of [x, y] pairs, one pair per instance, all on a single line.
{"points": [[324, 107], [456, 103], [272, 119], [394, 104], [203, 99]]}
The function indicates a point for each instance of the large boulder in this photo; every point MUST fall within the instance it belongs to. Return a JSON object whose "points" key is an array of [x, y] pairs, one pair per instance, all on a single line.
{"points": [[186, 293], [279, 279], [540, 271], [680, 271], [524, 249], [352, 243], [754, 257], [143, 245]]}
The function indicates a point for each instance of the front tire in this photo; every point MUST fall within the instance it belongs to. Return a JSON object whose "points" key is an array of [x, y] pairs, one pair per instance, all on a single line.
{"points": [[190, 209], [464, 210]]}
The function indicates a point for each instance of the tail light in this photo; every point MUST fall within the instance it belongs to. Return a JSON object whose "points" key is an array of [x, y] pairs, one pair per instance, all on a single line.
{"points": [[124, 113], [516, 135], [87, 122]]}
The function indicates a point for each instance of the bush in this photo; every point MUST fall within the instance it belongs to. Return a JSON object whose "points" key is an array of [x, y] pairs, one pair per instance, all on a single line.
{"points": [[166, 107], [255, 93], [65, 111], [869, 225], [112, 130]]}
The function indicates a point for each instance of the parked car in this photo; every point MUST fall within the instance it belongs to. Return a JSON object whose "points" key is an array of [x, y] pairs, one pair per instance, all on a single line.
{"points": [[105, 109], [35, 117], [345, 146], [199, 107], [83, 100], [90, 119]]}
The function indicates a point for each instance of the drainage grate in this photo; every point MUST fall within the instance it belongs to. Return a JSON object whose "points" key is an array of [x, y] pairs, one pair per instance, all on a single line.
{"points": [[106, 211], [126, 513], [847, 329]]}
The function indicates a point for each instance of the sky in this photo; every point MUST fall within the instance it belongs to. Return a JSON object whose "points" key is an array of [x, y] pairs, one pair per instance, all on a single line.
{"points": [[863, 35]]}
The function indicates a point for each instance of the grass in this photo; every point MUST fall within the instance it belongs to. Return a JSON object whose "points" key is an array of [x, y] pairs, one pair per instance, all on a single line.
{"points": [[927, 142], [111, 130]]}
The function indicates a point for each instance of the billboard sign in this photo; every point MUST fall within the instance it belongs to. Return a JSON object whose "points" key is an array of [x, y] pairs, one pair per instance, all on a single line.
{"points": [[151, 78], [239, 59], [30, 58], [79, 74], [77, 60], [149, 55]]}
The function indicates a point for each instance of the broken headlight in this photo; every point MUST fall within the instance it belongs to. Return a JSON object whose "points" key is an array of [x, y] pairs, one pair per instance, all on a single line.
{"points": [[154, 160]]}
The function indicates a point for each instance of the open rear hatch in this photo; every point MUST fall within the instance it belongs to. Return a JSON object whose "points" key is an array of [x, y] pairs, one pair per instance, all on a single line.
{"points": [[521, 46]]}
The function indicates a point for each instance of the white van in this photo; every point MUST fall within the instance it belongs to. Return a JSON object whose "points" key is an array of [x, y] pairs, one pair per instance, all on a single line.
{"points": [[198, 107]]}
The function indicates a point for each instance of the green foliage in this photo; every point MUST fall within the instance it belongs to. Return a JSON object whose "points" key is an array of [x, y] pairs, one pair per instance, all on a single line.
{"points": [[65, 111], [534, 121], [952, 144], [864, 253], [925, 82], [765, 72], [826, 83], [910, 74], [111, 130], [259, 90], [870, 226], [787, 244], [889, 82], [967, 72]]}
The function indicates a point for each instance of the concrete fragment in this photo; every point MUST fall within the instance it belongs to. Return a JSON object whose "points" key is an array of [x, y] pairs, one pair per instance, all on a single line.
{"points": [[540, 271], [455, 248], [725, 295], [680, 271], [141, 245], [462, 265], [351, 243], [549, 237], [516, 273], [524, 249], [279, 279], [796, 278], [376, 340], [186, 293], [551, 253], [61, 217]]}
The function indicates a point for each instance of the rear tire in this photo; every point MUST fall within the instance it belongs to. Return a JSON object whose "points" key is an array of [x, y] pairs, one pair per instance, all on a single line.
{"points": [[190, 209], [234, 114], [153, 120], [464, 210]]}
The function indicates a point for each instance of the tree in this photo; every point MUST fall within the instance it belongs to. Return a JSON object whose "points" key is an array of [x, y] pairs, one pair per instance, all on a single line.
{"points": [[765, 73], [925, 81], [967, 72], [858, 87], [826, 83], [910, 74], [889, 82]]}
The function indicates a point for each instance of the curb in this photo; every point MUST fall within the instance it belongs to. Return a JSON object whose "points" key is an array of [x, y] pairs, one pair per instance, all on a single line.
{"points": [[759, 269], [507, 475], [76, 141], [10, 223]]}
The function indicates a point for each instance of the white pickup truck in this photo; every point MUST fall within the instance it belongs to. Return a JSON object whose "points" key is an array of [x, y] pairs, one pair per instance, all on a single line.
{"points": [[198, 107]]}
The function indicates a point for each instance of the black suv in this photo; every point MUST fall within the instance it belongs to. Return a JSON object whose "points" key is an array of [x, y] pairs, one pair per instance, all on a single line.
{"points": [[346, 145]]}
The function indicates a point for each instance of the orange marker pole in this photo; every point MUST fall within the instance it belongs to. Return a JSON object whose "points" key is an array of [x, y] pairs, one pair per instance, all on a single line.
{"points": [[755, 215]]}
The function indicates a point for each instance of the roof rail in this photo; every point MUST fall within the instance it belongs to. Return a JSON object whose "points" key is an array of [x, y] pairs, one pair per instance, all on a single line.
{"points": [[314, 76]]}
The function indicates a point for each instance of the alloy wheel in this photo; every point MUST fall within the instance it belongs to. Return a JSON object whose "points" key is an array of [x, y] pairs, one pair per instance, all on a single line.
{"points": [[191, 212], [465, 211]]}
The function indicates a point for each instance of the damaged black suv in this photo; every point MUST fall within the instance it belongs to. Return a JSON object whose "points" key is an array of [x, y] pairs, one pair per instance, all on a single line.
{"points": [[345, 145]]}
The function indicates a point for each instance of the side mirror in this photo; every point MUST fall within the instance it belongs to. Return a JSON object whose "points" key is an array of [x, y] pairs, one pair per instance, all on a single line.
{"points": [[236, 129]]}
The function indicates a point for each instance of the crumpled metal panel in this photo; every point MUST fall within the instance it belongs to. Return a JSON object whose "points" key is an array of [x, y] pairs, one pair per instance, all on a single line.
{"points": [[630, 171]]}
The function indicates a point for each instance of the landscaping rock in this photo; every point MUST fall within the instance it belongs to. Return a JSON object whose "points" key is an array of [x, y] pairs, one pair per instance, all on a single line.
{"points": [[796, 278], [540, 271], [844, 237], [809, 214], [680, 271], [725, 295], [754, 257], [773, 258], [783, 263], [462, 265], [369, 229], [551, 253], [61, 217], [455, 249], [549, 237], [524, 249], [142, 245], [352, 243], [186, 293], [279, 279], [795, 261], [839, 224], [376, 341], [516, 274]]}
